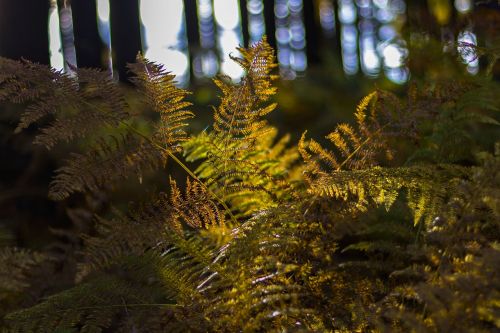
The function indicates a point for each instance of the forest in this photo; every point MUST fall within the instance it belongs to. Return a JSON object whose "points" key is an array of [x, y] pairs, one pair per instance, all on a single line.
{"points": [[274, 195]]}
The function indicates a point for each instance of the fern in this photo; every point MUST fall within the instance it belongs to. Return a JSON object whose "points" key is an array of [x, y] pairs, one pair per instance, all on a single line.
{"points": [[91, 100], [242, 164], [355, 148], [346, 241], [426, 186]]}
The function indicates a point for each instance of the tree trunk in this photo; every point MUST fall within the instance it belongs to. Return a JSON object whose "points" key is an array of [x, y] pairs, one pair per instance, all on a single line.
{"points": [[125, 34], [24, 30], [89, 47]]}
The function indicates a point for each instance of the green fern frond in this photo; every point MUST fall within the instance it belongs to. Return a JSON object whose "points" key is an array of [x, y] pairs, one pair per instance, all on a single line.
{"points": [[427, 187], [107, 299], [253, 178]]}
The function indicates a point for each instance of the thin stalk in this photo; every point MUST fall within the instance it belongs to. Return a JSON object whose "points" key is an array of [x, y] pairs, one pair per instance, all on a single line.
{"points": [[176, 160], [185, 168]]}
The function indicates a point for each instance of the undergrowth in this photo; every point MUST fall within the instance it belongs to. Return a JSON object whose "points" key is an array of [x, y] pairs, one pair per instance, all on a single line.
{"points": [[393, 226]]}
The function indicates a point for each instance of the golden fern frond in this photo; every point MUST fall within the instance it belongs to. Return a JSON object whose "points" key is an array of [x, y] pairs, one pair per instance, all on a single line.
{"points": [[239, 116], [257, 179], [427, 187], [459, 278], [164, 97], [196, 208], [91, 103], [240, 165], [262, 270], [354, 149]]}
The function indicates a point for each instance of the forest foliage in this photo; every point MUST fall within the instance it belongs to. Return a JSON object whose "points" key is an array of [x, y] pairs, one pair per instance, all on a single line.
{"points": [[388, 224]]}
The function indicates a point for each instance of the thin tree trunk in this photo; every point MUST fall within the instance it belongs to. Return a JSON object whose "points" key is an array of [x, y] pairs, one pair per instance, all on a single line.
{"points": [[193, 34], [125, 34], [313, 31], [270, 22], [244, 22], [88, 44]]}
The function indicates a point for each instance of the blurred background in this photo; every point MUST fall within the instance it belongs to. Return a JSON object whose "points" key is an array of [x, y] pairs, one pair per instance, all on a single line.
{"points": [[330, 54]]}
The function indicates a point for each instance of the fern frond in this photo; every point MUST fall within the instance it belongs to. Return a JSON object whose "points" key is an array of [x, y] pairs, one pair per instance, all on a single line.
{"points": [[106, 164], [427, 187], [125, 235], [103, 301], [354, 148], [196, 208], [89, 103], [165, 98], [78, 105], [238, 117], [15, 265], [252, 178]]}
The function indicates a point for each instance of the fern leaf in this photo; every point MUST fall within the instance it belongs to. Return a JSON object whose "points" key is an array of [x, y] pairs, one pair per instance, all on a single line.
{"points": [[165, 98], [105, 165], [427, 187]]}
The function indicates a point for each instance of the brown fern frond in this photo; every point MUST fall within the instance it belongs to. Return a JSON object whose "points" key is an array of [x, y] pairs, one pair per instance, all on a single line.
{"points": [[104, 165], [195, 208], [76, 105], [164, 97]]}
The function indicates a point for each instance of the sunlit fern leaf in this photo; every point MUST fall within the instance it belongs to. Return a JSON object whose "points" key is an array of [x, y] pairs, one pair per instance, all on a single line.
{"points": [[238, 117], [427, 187], [260, 282], [254, 178], [458, 287], [164, 97], [235, 151], [354, 148]]}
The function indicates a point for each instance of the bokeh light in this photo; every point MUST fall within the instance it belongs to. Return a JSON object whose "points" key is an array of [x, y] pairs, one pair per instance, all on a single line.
{"points": [[290, 37], [104, 30], [467, 42], [166, 43], [55, 44], [61, 40], [463, 6], [256, 22], [228, 18], [327, 17]]}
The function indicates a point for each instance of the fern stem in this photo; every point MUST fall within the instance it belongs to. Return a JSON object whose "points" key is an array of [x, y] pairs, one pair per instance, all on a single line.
{"points": [[355, 151], [185, 168], [179, 162]]}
